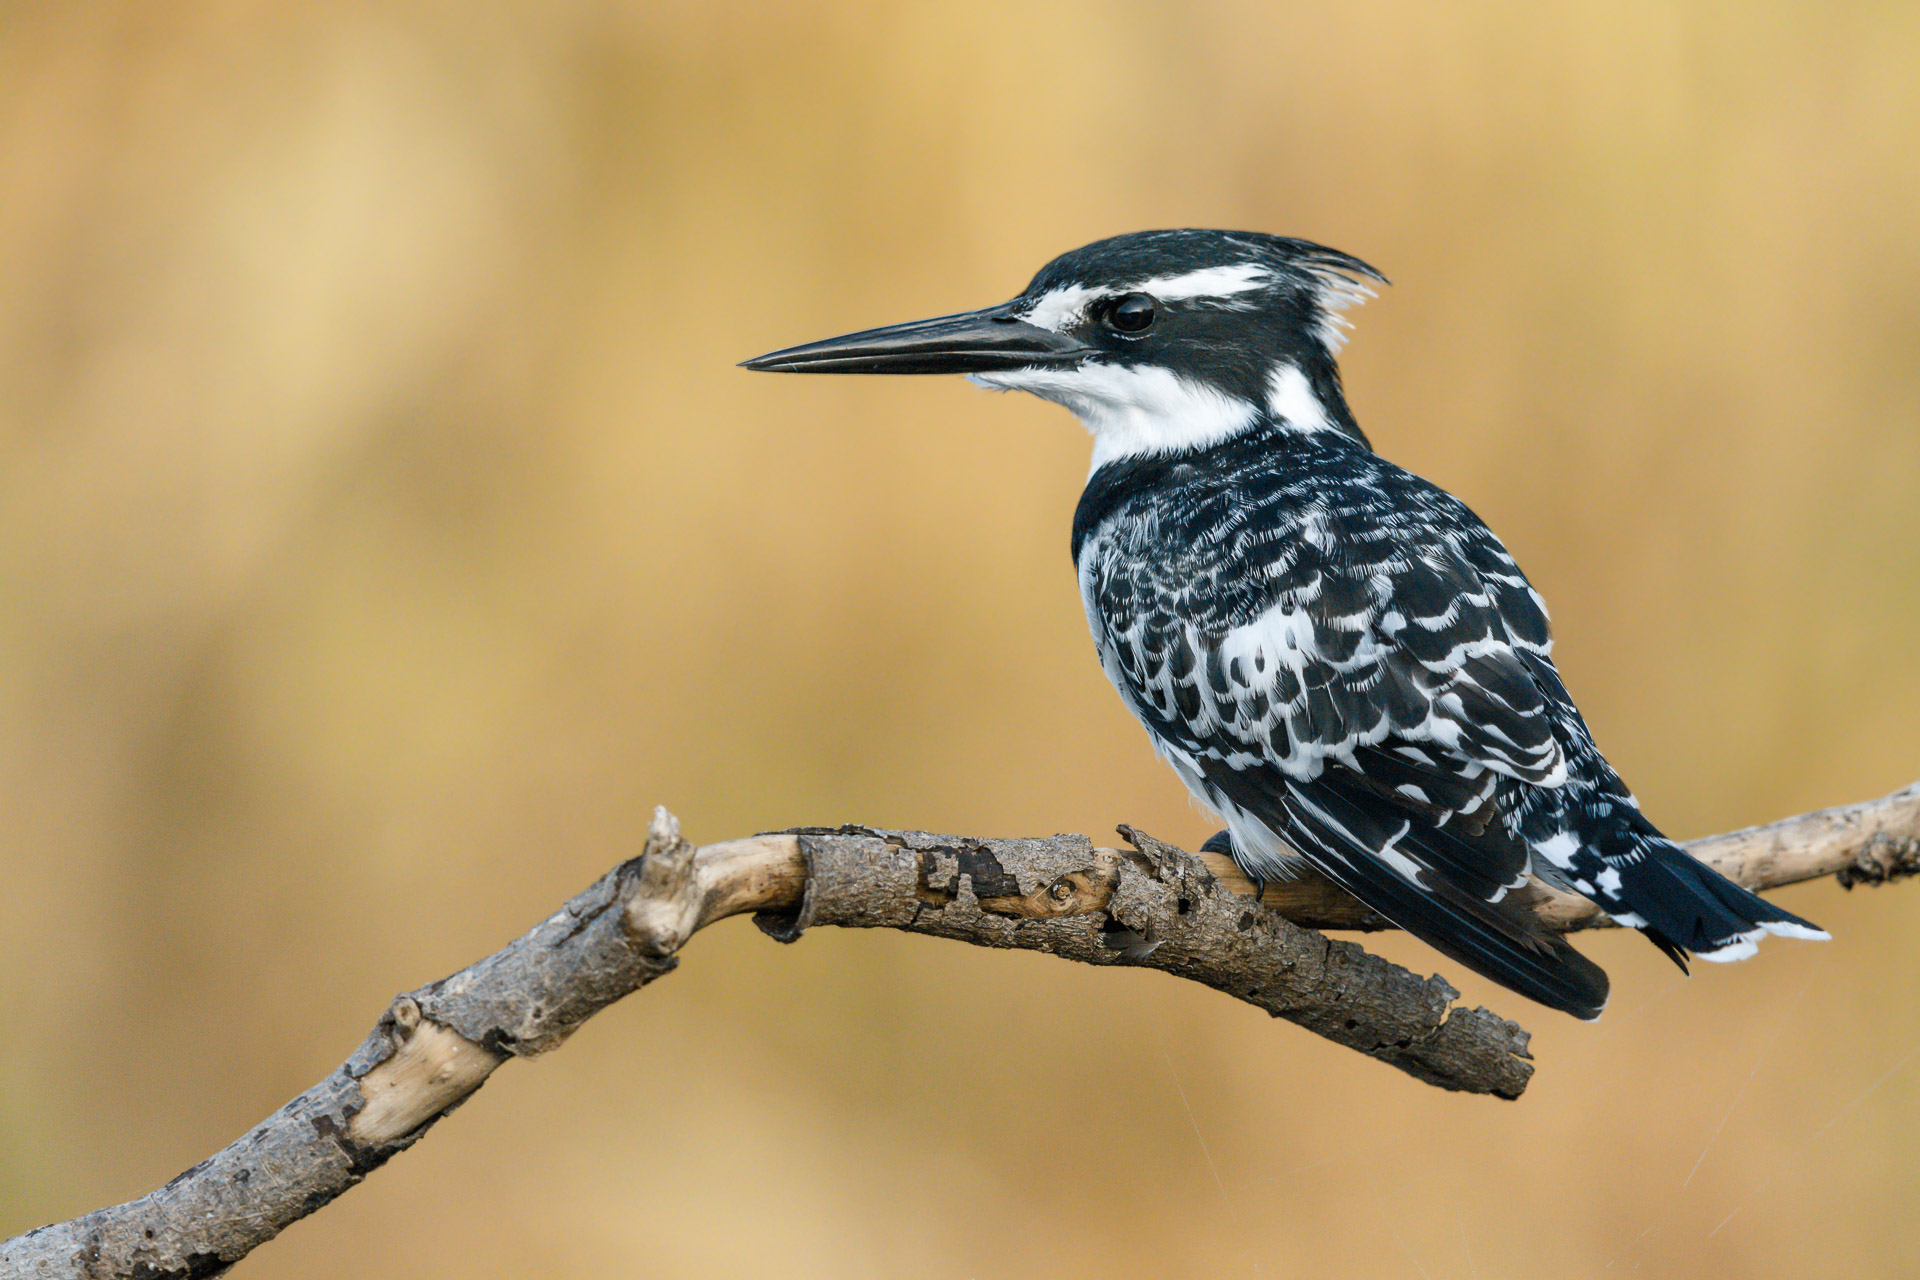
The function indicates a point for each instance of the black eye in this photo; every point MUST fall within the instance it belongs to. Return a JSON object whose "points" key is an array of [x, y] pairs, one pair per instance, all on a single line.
{"points": [[1133, 313]]}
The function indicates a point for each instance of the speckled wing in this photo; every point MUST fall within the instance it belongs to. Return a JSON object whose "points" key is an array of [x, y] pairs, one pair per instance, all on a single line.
{"points": [[1362, 710], [1409, 668]]}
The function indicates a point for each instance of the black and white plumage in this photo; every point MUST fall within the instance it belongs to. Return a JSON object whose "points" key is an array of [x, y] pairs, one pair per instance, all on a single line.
{"points": [[1334, 655]]}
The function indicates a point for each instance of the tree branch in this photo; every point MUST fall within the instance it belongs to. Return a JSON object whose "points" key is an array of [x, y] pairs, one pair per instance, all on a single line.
{"points": [[1150, 905]]}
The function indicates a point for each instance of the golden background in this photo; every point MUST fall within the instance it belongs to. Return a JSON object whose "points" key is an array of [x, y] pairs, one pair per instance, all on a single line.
{"points": [[385, 529]]}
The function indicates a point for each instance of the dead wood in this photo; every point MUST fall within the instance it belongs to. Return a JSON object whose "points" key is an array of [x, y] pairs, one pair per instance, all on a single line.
{"points": [[1148, 905]]}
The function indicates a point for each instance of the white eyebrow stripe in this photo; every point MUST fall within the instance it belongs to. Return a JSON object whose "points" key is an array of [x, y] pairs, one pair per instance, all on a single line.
{"points": [[1063, 308], [1208, 282], [1067, 306]]}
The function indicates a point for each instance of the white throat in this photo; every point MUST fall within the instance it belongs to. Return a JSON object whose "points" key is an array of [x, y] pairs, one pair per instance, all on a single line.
{"points": [[1135, 411], [1145, 410]]}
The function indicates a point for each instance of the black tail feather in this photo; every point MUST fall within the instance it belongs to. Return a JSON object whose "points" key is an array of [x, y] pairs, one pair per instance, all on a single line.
{"points": [[1494, 939], [1687, 906]]}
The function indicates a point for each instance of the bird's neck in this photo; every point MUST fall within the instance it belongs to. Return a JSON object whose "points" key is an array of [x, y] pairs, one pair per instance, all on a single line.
{"points": [[1148, 413], [1266, 447], [1304, 396]]}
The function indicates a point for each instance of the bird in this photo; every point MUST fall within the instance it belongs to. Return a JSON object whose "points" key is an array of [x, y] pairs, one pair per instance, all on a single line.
{"points": [[1336, 656]]}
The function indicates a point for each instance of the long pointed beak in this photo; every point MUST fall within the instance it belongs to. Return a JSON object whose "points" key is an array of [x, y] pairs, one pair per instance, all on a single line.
{"points": [[971, 342]]}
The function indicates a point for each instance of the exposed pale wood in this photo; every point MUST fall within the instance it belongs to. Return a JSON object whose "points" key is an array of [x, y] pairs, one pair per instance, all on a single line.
{"points": [[431, 1069], [1151, 905]]}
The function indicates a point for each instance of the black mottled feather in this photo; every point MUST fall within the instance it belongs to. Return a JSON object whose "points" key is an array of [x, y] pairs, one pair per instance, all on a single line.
{"points": [[1344, 662]]}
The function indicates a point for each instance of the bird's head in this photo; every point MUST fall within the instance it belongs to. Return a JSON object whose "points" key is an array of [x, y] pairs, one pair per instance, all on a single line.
{"points": [[1161, 341]]}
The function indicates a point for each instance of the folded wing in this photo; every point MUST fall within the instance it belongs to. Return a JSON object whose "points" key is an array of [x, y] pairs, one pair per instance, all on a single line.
{"points": [[1369, 716]]}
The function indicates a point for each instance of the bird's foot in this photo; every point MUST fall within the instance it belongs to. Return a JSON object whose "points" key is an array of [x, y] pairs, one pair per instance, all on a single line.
{"points": [[1222, 842]]}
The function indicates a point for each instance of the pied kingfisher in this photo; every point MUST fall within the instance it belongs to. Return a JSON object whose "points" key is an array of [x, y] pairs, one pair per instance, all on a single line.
{"points": [[1334, 655]]}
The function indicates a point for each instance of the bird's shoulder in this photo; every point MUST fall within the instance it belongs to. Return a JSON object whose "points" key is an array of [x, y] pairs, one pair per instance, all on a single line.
{"points": [[1258, 522]]}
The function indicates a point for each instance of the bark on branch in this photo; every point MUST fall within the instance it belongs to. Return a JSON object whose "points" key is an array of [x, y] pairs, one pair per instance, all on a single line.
{"points": [[1148, 905]]}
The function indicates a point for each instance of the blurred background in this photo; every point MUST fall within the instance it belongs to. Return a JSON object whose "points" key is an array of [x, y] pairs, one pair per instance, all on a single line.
{"points": [[385, 529]]}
